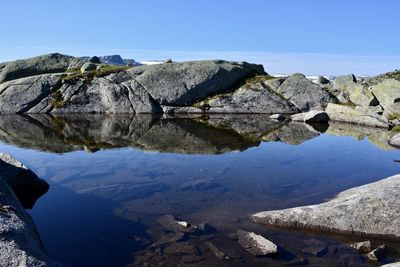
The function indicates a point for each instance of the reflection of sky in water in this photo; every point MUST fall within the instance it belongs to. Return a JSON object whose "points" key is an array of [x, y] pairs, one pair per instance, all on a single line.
{"points": [[98, 199]]}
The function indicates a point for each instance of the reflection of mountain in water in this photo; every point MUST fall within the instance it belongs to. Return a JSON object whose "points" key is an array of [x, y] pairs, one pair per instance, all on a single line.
{"points": [[192, 135]]}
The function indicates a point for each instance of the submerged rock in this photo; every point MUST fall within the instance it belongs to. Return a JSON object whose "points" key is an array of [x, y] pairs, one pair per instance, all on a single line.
{"points": [[169, 223], [257, 245], [372, 209]]}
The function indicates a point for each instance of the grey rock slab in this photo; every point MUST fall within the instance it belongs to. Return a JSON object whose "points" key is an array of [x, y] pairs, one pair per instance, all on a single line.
{"points": [[182, 84], [372, 209], [304, 94], [349, 114], [256, 245], [254, 98], [23, 94], [88, 66]]}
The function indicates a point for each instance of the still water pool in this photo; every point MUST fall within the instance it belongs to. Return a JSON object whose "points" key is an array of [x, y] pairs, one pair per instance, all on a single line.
{"points": [[112, 177]]}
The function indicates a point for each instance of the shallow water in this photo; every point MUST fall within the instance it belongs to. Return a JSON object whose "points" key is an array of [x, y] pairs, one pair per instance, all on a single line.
{"points": [[112, 177]]}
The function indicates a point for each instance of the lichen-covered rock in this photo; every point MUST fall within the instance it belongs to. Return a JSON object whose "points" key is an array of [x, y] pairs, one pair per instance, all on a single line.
{"points": [[388, 95], [355, 115], [372, 209], [304, 94], [51, 63]]}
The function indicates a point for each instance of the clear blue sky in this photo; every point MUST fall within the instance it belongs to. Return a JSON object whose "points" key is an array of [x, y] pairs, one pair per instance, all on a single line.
{"points": [[350, 33]]}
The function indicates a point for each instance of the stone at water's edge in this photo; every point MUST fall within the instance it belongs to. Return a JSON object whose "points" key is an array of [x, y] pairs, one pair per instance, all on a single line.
{"points": [[372, 209], [20, 244], [257, 245], [395, 141], [311, 116]]}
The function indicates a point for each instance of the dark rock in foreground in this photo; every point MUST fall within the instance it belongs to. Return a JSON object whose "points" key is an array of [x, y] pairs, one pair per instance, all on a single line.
{"points": [[20, 244], [372, 209]]}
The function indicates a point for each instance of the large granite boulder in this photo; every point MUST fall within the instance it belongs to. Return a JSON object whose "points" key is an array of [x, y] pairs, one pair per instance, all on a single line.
{"points": [[51, 63], [182, 84], [21, 95], [356, 115], [20, 244], [388, 95], [304, 94], [372, 209], [250, 98]]}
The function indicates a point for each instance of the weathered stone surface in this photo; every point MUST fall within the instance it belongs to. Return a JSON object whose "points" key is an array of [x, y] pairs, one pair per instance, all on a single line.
{"points": [[304, 94], [181, 110], [372, 209], [51, 63], [20, 244], [355, 115], [363, 247], [254, 98], [23, 94], [257, 245], [387, 92], [311, 116], [322, 80], [182, 84], [168, 238], [95, 60]]}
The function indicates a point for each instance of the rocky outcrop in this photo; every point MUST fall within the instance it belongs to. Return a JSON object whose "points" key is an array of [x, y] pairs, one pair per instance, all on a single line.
{"points": [[51, 63], [256, 245], [250, 98], [372, 209], [20, 244], [304, 94]]}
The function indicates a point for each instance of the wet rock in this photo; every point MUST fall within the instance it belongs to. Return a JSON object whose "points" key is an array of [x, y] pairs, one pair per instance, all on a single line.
{"points": [[317, 251], [394, 264], [218, 253], [297, 262], [378, 253], [232, 236], [311, 116], [205, 228], [255, 244], [181, 248], [168, 238], [191, 258], [277, 117], [169, 223], [369, 209], [363, 247]]}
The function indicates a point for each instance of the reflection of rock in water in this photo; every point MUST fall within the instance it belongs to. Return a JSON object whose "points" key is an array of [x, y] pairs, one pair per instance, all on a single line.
{"points": [[26, 185], [213, 134]]}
